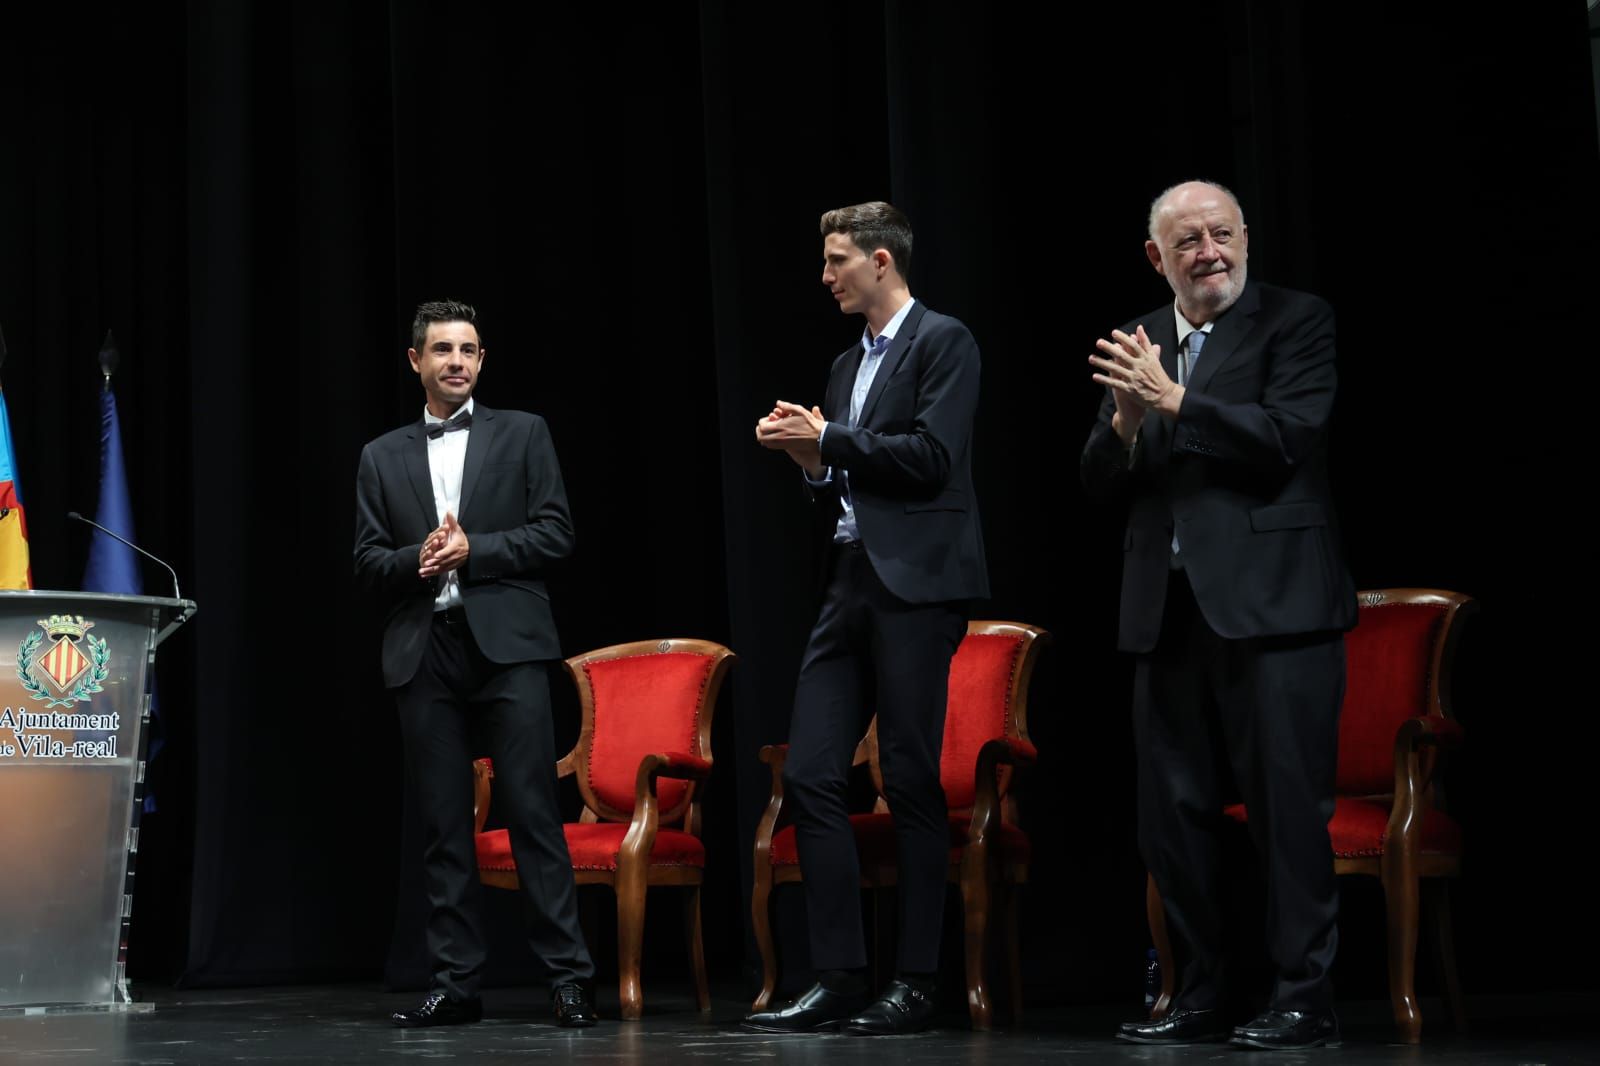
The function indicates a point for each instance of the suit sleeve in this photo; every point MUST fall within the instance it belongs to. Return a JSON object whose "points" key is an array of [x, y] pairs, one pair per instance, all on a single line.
{"points": [[918, 461], [381, 567], [1106, 467], [531, 549], [1288, 423]]}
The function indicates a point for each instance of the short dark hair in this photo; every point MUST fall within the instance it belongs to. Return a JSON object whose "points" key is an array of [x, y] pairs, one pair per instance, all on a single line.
{"points": [[442, 311], [872, 226]]}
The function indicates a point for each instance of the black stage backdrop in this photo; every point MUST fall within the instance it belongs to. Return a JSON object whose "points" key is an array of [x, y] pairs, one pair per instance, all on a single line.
{"points": [[255, 195]]}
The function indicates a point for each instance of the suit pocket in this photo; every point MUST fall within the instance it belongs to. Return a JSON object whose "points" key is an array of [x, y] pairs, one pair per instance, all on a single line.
{"points": [[948, 500], [535, 587], [1307, 515]]}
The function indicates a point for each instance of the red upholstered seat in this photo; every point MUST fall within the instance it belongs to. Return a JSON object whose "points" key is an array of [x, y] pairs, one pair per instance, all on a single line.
{"points": [[985, 737], [644, 744], [1359, 824], [875, 841], [595, 847]]}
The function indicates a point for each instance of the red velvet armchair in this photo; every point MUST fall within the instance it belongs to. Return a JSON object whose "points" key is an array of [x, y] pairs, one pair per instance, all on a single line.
{"points": [[985, 740], [1387, 821], [645, 743]]}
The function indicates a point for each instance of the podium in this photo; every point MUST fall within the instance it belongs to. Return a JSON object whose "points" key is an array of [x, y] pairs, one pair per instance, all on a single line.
{"points": [[76, 670]]}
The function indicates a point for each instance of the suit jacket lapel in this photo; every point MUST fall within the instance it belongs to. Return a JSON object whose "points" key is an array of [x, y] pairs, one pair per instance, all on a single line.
{"points": [[416, 458], [836, 405], [479, 439], [891, 360], [1226, 337]]}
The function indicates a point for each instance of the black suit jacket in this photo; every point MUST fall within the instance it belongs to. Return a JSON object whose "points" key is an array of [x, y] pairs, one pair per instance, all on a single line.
{"points": [[514, 512], [909, 459], [1241, 474]]}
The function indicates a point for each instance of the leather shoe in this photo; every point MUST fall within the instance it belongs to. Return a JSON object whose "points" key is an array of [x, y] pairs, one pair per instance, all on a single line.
{"points": [[1178, 1027], [816, 1010], [572, 1006], [899, 1011], [439, 1009], [1288, 1030]]}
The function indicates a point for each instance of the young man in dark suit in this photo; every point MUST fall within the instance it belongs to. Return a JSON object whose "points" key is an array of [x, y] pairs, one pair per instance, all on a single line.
{"points": [[459, 516], [1235, 596], [889, 456]]}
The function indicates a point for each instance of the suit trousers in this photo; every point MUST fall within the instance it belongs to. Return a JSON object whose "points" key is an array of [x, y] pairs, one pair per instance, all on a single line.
{"points": [[455, 695], [871, 652], [1268, 710]]}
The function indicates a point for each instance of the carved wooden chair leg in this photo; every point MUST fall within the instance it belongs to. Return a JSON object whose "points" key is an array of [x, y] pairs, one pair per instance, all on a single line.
{"points": [[1400, 901], [696, 945], [761, 921]]}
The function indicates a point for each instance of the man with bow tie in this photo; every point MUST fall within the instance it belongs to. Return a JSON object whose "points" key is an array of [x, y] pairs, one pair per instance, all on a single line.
{"points": [[459, 518]]}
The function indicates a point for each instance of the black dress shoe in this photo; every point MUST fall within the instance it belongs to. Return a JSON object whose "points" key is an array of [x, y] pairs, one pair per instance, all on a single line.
{"points": [[816, 1010], [900, 1011], [572, 1006], [1288, 1030], [439, 1009], [1178, 1027]]}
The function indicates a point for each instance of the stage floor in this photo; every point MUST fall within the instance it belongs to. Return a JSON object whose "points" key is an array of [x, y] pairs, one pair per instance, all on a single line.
{"points": [[348, 1024]]}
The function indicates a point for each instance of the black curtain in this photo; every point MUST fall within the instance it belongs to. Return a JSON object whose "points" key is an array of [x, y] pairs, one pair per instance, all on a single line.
{"points": [[254, 196]]}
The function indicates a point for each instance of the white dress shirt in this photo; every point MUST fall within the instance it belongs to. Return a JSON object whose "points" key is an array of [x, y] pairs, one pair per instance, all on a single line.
{"points": [[447, 457]]}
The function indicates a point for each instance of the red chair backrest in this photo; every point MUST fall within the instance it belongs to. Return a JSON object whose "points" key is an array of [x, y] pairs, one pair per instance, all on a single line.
{"points": [[979, 708], [1389, 657], [643, 704]]}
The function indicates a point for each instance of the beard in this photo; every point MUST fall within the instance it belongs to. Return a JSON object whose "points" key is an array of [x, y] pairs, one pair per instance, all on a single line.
{"points": [[1219, 299]]}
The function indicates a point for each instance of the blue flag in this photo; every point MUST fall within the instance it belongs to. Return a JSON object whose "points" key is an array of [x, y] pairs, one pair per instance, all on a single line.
{"points": [[112, 565]]}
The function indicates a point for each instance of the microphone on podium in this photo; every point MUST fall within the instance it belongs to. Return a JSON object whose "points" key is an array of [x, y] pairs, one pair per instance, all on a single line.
{"points": [[75, 516]]}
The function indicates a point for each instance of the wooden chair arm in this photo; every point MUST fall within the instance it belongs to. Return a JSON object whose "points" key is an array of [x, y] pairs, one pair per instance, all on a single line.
{"points": [[1413, 764], [568, 764], [774, 755], [482, 774], [987, 806], [1444, 733], [641, 836], [1416, 745]]}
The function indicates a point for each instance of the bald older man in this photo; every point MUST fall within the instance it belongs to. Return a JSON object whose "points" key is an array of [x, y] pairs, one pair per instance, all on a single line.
{"points": [[1214, 436]]}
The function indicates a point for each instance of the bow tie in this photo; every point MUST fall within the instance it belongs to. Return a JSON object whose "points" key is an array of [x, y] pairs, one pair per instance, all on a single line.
{"points": [[460, 420]]}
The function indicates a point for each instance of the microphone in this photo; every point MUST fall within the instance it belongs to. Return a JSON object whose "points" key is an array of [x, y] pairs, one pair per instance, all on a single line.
{"points": [[74, 515]]}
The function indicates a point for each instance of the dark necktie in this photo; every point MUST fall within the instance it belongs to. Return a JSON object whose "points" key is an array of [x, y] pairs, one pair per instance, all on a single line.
{"points": [[462, 419]]}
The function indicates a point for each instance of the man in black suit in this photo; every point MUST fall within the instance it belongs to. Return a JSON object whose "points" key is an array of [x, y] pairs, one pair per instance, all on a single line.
{"points": [[889, 457], [459, 517], [1235, 596]]}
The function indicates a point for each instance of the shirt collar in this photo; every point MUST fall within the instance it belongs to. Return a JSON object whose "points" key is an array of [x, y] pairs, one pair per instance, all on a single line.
{"points": [[891, 328], [1184, 327]]}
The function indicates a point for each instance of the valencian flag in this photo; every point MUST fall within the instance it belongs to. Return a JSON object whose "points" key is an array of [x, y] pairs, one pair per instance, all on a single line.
{"points": [[14, 570]]}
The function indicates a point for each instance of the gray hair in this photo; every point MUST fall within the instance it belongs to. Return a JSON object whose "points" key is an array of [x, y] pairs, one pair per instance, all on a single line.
{"points": [[1160, 202]]}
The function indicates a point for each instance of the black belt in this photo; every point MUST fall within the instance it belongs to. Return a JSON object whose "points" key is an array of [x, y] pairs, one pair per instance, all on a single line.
{"points": [[451, 616]]}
